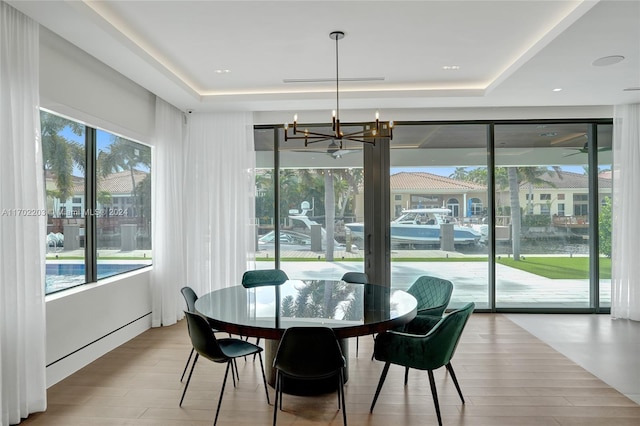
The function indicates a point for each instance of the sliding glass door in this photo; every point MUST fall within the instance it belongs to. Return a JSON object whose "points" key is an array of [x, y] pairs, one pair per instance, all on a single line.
{"points": [[316, 189], [543, 196], [516, 214], [439, 198]]}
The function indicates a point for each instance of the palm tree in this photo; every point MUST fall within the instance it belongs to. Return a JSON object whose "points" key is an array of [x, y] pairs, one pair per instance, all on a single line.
{"points": [[329, 212], [124, 154], [460, 173], [353, 179], [516, 220], [61, 155]]}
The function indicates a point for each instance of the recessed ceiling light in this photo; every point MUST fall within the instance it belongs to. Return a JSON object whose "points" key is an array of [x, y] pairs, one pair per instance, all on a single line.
{"points": [[451, 67], [558, 89], [607, 60], [222, 71]]}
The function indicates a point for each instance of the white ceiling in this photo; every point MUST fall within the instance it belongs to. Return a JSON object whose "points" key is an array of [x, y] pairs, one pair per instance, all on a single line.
{"points": [[509, 53]]}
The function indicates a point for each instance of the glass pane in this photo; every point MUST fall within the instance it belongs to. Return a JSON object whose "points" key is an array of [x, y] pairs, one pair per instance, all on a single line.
{"points": [[63, 147], [265, 194], [123, 213], [542, 204], [319, 189], [605, 187], [439, 205]]}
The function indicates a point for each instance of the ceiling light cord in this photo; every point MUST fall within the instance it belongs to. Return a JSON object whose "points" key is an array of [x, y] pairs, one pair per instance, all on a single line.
{"points": [[336, 117]]}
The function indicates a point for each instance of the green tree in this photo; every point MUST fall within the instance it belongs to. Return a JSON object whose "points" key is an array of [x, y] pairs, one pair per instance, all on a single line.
{"points": [[61, 155], [288, 306], [123, 154], [605, 226]]}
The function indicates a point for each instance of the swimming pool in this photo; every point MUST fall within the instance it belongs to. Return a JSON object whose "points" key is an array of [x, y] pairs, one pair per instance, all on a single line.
{"points": [[60, 276]]}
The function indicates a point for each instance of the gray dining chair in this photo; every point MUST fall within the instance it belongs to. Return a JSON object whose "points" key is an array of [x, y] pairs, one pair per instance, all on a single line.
{"points": [[309, 353], [224, 350], [190, 298]]}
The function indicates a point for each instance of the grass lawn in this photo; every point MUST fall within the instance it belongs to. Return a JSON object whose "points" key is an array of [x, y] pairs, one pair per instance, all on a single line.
{"points": [[550, 267], [558, 267]]}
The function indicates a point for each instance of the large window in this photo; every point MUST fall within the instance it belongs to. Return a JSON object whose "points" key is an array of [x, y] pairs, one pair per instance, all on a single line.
{"points": [[508, 211], [316, 189], [99, 205]]}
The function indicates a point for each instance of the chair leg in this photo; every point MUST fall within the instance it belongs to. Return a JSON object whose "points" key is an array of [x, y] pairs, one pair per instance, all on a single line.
{"points": [[406, 375], [281, 392], [374, 342], [275, 404], [264, 378], [235, 364], [184, 392], [257, 343], [455, 380], [357, 345], [383, 376], [338, 390], [224, 382], [187, 364], [344, 404], [434, 393]]}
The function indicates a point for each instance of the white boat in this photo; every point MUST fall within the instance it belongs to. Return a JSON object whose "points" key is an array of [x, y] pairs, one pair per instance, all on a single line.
{"points": [[422, 226]]}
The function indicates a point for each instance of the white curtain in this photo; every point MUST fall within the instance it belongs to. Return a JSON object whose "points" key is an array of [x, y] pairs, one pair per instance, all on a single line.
{"points": [[218, 200], [168, 187], [22, 221], [625, 279]]}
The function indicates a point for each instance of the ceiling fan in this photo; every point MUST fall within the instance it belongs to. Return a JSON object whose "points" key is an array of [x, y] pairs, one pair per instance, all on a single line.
{"points": [[585, 150], [333, 150]]}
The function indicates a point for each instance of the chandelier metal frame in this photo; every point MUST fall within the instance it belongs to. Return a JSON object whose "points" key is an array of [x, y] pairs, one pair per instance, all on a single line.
{"points": [[368, 135]]}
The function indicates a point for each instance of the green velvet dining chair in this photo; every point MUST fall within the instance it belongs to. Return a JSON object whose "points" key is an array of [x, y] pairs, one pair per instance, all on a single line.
{"points": [[356, 278], [309, 353], [224, 350], [433, 295], [424, 352]]}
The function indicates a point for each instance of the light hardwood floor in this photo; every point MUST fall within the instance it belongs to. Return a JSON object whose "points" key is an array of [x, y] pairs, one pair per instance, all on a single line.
{"points": [[508, 377]]}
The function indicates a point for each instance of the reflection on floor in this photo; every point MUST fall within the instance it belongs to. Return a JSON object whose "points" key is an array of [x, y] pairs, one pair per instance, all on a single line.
{"points": [[607, 348]]}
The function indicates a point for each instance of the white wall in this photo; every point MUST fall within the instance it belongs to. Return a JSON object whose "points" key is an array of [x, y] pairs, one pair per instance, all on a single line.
{"points": [[86, 322], [75, 84]]}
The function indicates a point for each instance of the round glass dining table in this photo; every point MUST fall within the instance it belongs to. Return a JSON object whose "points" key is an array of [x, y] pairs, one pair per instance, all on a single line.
{"points": [[349, 309]]}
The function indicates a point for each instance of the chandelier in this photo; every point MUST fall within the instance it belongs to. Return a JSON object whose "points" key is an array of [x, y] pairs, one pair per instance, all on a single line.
{"points": [[367, 135]]}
